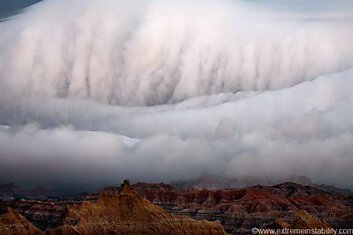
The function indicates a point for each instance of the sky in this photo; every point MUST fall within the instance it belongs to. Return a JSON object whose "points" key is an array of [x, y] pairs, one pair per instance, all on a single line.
{"points": [[11, 7], [98, 91]]}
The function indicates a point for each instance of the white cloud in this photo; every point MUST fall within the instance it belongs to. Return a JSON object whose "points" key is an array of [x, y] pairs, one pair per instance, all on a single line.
{"points": [[62, 78]]}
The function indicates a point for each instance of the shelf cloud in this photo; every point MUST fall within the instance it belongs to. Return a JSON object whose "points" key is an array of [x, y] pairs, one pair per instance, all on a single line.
{"points": [[97, 91]]}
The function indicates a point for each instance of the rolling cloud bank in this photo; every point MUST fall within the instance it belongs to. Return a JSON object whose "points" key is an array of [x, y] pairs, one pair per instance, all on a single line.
{"points": [[97, 91]]}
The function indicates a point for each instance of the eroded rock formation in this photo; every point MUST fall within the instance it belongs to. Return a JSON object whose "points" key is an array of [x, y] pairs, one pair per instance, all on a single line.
{"points": [[126, 212], [12, 223], [130, 209]]}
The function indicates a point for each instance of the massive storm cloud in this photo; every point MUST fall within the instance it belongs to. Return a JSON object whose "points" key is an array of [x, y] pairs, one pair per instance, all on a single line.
{"points": [[97, 91]]}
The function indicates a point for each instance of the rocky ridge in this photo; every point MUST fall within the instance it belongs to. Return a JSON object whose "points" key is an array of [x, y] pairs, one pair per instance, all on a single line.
{"points": [[238, 210], [121, 211], [12, 223]]}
